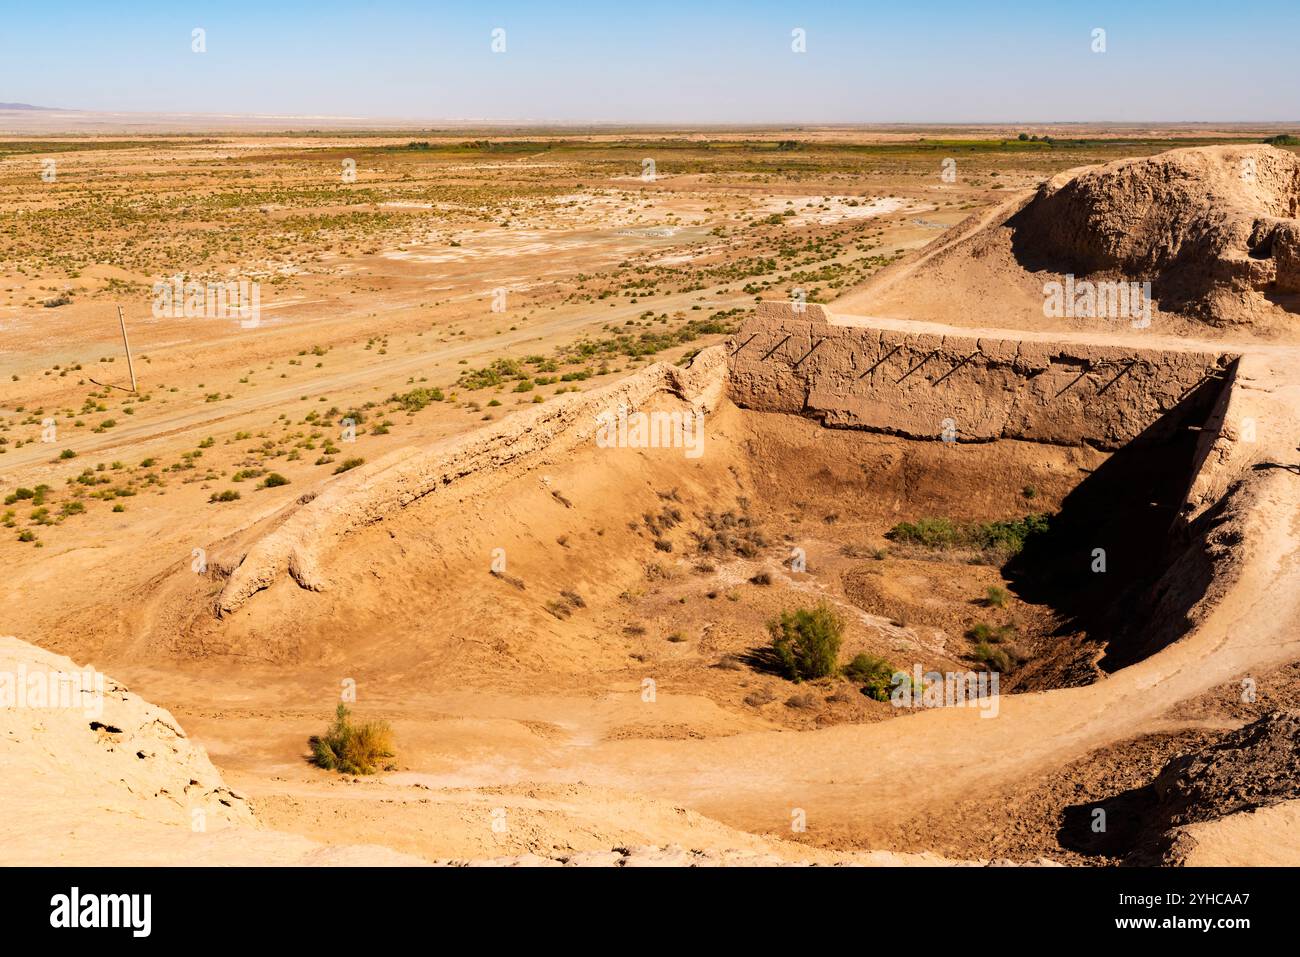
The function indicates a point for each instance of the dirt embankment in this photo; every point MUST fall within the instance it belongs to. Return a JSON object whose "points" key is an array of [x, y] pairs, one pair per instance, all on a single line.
{"points": [[402, 550], [489, 456], [96, 776], [1246, 786]]}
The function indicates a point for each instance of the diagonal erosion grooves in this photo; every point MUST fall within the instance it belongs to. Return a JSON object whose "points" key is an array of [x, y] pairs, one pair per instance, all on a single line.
{"points": [[525, 440]]}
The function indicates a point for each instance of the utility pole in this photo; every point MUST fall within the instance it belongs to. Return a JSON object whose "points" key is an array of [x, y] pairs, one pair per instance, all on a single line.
{"points": [[130, 366]]}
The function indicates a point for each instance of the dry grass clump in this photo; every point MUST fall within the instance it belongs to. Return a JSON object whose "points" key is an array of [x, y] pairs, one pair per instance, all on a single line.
{"points": [[729, 533], [353, 748], [996, 597], [993, 647], [566, 604], [669, 517], [509, 579], [759, 697]]}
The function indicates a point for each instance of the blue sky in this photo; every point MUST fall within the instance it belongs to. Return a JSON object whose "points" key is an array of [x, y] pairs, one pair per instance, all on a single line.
{"points": [[663, 61]]}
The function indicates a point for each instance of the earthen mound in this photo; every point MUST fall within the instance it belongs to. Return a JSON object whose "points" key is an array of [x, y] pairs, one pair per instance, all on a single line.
{"points": [[1253, 767], [1214, 230]]}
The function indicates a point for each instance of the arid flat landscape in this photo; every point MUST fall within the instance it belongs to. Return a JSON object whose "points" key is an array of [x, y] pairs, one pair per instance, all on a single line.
{"points": [[633, 487]]}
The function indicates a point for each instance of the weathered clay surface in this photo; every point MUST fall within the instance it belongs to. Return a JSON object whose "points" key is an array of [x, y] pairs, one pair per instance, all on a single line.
{"points": [[87, 751], [1213, 230], [979, 388], [1208, 226]]}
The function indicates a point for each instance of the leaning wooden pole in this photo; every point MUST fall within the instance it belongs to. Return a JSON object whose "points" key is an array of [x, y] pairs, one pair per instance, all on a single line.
{"points": [[130, 366]]}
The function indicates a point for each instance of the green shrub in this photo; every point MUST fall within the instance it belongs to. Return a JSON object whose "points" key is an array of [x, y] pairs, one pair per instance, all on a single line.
{"points": [[876, 675], [229, 495], [353, 749], [416, 399], [349, 464], [996, 597], [806, 641], [1008, 537], [274, 480], [929, 532], [996, 658], [984, 632]]}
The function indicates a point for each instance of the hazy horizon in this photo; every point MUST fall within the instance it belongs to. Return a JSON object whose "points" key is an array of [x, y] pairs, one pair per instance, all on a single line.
{"points": [[725, 64]]}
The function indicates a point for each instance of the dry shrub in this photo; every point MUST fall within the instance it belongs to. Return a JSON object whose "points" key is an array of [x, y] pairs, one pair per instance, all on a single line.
{"points": [[509, 579], [729, 534], [668, 518], [760, 697], [353, 748]]}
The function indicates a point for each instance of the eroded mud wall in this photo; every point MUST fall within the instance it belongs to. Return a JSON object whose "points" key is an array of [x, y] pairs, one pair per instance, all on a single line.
{"points": [[977, 388]]}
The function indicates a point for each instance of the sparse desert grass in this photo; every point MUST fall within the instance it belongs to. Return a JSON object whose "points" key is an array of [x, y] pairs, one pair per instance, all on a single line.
{"points": [[509, 579], [760, 697], [353, 748], [729, 534], [564, 606], [998, 659], [984, 632]]}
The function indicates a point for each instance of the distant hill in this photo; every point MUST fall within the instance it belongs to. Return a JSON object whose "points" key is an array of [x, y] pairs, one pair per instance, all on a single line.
{"points": [[28, 106]]}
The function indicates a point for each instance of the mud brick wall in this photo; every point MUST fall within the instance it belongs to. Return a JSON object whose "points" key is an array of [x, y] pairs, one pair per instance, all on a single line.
{"points": [[860, 377]]}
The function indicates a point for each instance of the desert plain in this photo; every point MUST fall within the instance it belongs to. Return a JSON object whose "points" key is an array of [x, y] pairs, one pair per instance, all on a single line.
{"points": [[385, 485]]}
